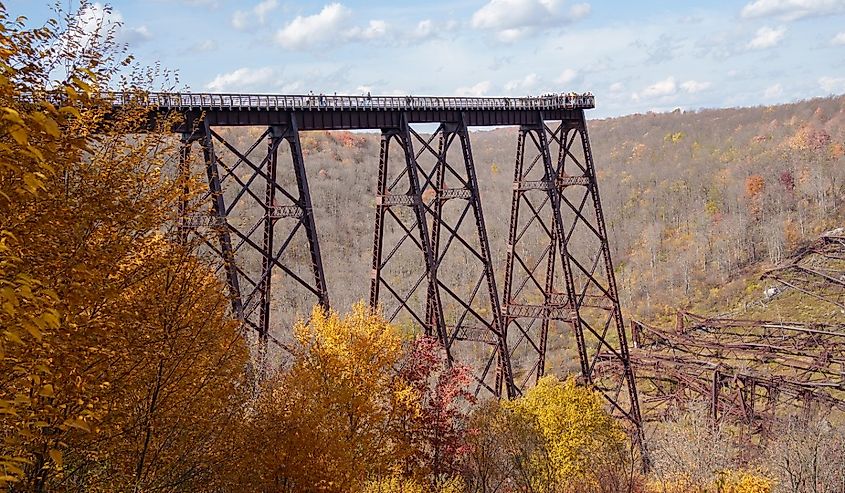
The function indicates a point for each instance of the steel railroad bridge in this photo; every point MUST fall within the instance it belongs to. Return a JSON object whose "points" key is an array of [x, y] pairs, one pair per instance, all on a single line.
{"points": [[558, 281]]}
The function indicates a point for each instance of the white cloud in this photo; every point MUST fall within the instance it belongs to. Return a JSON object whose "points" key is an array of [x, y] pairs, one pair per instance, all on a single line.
{"points": [[773, 91], [839, 39], [832, 85], [262, 9], [314, 29], [792, 9], [665, 87], [134, 35], [427, 29], [512, 35], [617, 87], [693, 86], [567, 76], [580, 10], [244, 19], [524, 84], [478, 90], [205, 46], [766, 37], [99, 21], [332, 23], [374, 30], [242, 79], [240, 19], [424, 29], [514, 19]]}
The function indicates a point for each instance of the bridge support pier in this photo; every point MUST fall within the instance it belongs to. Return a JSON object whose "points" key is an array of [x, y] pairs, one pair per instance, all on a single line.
{"points": [[287, 216], [566, 291], [447, 227]]}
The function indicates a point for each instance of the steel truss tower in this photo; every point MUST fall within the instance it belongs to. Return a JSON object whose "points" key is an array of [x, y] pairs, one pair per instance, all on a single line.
{"points": [[287, 218], [559, 280], [447, 229]]}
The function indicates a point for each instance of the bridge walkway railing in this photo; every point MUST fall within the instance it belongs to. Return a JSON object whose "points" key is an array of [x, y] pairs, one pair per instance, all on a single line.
{"points": [[177, 100]]}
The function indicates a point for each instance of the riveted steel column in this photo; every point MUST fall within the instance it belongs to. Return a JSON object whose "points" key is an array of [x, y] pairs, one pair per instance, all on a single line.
{"points": [[435, 312], [433, 304], [221, 224], [504, 372], [378, 229], [273, 140], [185, 144], [621, 349], [292, 137]]}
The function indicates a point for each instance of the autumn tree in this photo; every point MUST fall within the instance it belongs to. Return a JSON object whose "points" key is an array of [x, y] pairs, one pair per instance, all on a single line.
{"points": [[120, 367], [360, 408], [808, 456], [556, 438], [325, 423], [578, 432], [431, 436], [502, 449]]}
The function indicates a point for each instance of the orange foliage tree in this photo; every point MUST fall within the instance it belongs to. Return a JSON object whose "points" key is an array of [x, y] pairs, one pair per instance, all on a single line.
{"points": [[120, 367], [358, 407]]}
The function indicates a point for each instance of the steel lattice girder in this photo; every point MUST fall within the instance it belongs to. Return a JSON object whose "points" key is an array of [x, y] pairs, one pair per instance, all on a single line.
{"points": [[734, 395], [817, 270], [786, 366], [803, 352]]}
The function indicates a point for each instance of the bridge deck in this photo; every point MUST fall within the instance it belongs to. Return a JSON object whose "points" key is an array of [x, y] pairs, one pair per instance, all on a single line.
{"points": [[329, 112]]}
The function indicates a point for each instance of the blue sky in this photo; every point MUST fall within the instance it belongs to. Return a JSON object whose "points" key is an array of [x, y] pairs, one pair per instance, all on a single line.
{"points": [[634, 56]]}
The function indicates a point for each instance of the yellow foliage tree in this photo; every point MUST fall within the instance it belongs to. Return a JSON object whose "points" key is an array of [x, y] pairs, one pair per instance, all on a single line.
{"points": [[728, 481], [32, 141], [398, 484], [556, 438], [743, 481], [326, 423], [577, 430], [120, 368]]}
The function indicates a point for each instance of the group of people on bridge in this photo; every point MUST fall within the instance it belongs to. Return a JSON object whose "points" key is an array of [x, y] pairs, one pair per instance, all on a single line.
{"points": [[567, 100]]}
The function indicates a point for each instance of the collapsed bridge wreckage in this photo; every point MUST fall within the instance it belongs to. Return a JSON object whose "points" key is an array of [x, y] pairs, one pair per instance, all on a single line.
{"points": [[752, 372]]}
